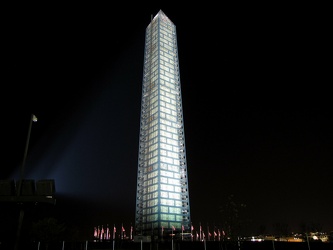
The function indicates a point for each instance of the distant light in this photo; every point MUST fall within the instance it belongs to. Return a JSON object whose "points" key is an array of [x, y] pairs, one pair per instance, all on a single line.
{"points": [[34, 118], [253, 238]]}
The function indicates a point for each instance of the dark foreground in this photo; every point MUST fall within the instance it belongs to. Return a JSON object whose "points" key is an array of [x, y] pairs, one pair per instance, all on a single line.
{"points": [[181, 245]]}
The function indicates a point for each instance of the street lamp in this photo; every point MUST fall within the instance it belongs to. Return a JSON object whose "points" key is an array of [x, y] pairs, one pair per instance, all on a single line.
{"points": [[32, 119], [20, 221]]}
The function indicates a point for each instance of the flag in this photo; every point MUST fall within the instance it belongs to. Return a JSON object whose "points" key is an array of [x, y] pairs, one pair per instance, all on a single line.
{"points": [[192, 228], [200, 231], [122, 231], [95, 232], [173, 228], [182, 228], [34, 118], [114, 232], [102, 233], [107, 236]]}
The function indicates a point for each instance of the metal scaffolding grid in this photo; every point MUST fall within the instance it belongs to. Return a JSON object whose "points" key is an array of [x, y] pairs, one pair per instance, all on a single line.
{"points": [[162, 200]]}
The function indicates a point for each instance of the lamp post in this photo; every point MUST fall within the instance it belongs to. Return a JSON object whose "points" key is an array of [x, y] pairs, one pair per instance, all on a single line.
{"points": [[32, 119], [19, 190]]}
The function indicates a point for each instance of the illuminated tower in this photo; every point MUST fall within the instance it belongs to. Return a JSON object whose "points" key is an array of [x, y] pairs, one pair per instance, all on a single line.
{"points": [[162, 198]]}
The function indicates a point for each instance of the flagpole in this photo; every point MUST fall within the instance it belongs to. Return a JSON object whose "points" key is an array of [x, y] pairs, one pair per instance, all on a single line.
{"points": [[172, 237], [204, 243], [114, 235], [200, 232], [33, 118], [208, 234]]}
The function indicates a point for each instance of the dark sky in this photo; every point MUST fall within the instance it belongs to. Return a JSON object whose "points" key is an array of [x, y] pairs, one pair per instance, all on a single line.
{"points": [[256, 99]]}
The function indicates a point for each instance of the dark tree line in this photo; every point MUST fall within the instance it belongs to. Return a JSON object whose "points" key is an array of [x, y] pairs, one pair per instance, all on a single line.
{"points": [[234, 219]]}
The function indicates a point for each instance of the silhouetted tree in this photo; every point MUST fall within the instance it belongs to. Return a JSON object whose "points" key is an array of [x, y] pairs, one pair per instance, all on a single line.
{"points": [[48, 230], [281, 229], [303, 227], [330, 237], [262, 229], [233, 217], [311, 227], [316, 227]]}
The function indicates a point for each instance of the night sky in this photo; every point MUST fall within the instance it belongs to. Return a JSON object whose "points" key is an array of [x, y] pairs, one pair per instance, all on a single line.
{"points": [[257, 106]]}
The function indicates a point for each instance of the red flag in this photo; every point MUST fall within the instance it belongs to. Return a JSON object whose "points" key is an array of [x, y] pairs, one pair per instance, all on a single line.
{"points": [[123, 229], [182, 228], [95, 233], [107, 236], [173, 228], [192, 228], [200, 231], [114, 229], [102, 233], [98, 232]]}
